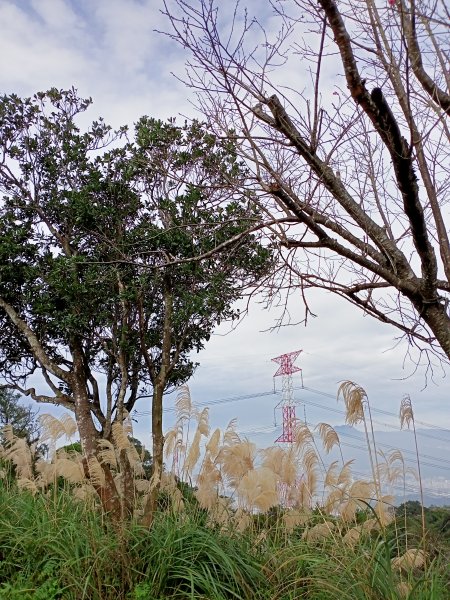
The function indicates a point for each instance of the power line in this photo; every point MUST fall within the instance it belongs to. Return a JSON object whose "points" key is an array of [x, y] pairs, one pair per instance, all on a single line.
{"points": [[309, 403], [363, 447], [336, 411], [231, 399]]}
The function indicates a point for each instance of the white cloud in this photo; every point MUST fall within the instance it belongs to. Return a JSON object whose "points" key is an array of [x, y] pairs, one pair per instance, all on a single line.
{"points": [[58, 17]]}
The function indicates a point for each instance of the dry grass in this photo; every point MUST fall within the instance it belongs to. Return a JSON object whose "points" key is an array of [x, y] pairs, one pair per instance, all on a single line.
{"points": [[232, 479], [413, 558], [280, 503]]}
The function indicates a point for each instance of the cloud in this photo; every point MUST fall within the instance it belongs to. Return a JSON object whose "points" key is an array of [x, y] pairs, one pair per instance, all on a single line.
{"points": [[106, 50]]}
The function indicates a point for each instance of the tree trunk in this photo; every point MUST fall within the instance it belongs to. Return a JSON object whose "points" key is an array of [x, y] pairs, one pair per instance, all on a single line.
{"points": [[438, 320], [108, 493], [158, 458], [157, 403]]}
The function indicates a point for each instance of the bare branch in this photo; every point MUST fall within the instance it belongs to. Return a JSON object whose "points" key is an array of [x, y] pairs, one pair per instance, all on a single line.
{"points": [[34, 343]]}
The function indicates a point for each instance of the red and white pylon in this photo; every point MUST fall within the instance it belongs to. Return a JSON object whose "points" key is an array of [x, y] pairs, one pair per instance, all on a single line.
{"points": [[286, 369]]}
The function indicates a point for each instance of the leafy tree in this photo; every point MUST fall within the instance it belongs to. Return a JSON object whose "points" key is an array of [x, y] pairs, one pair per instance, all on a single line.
{"points": [[194, 211], [101, 289], [21, 418], [411, 508], [342, 113]]}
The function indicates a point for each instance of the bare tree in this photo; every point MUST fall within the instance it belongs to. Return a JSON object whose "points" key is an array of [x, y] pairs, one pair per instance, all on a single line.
{"points": [[342, 112]]}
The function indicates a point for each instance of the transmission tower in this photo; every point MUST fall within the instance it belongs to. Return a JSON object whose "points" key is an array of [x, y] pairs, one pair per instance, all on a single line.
{"points": [[286, 368]]}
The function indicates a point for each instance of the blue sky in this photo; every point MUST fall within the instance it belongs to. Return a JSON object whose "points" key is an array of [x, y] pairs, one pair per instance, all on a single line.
{"points": [[108, 50]]}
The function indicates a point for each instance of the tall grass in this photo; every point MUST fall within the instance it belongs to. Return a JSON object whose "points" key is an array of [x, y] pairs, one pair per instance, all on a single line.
{"points": [[232, 523], [61, 549]]}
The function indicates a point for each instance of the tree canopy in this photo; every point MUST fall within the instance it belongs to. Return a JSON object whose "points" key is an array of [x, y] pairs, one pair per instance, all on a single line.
{"points": [[101, 289]]}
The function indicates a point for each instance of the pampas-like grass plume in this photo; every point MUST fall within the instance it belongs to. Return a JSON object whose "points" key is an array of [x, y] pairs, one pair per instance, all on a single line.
{"points": [[230, 436], [413, 558], [362, 492], [384, 509], [172, 439], [209, 473], [403, 589], [258, 489], [120, 438], [203, 422], [53, 428], [283, 462], [352, 537], [294, 518], [18, 452], [348, 510], [370, 525], [237, 460], [183, 403], [69, 424], [358, 496], [288, 472], [85, 493], [135, 461], [319, 532], [212, 447], [242, 520], [345, 475], [107, 454], [142, 485], [8, 433], [176, 501], [328, 436], [333, 500], [310, 459], [70, 469], [331, 475], [354, 397], [273, 458], [23, 483], [302, 434], [206, 494], [305, 492], [193, 454], [96, 473], [219, 513]]}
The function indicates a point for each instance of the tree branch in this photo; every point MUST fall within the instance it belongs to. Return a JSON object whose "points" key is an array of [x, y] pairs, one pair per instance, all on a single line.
{"points": [[429, 85], [35, 345]]}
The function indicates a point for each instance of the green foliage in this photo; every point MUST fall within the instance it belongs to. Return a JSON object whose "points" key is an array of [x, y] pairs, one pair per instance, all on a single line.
{"points": [[97, 228], [74, 447], [54, 547]]}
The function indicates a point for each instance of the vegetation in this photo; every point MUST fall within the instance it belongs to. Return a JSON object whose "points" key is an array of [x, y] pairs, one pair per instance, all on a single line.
{"points": [[99, 292], [23, 419], [230, 522], [121, 251]]}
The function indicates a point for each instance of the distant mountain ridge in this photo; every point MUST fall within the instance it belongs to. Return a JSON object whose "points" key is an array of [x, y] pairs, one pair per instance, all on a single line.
{"points": [[434, 455]]}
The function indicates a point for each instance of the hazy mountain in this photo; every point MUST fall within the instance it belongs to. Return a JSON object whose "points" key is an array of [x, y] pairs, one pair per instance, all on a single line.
{"points": [[434, 455]]}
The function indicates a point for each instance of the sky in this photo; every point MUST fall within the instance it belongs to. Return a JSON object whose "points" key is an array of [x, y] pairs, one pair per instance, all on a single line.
{"points": [[109, 50]]}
